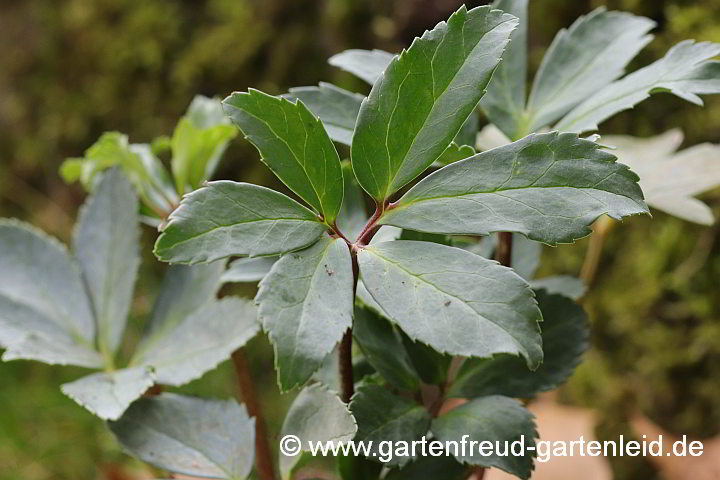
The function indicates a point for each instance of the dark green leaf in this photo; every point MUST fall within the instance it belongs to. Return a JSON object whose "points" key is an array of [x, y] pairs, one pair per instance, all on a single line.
{"points": [[358, 468], [549, 187], [383, 349], [306, 304], [431, 365], [384, 417], [294, 144], [453, 300], [565, 338], [229, 218], [428, 467], [419, 104], [490, 419]]}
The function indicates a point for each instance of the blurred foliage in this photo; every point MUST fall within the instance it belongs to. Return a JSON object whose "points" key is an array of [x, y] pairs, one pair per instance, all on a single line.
{"points": [[71, 70]]}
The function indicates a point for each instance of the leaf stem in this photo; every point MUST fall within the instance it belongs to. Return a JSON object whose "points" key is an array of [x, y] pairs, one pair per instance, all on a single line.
{"points": [[263, 458], [503, 249], [371, 226], [601, 227]]}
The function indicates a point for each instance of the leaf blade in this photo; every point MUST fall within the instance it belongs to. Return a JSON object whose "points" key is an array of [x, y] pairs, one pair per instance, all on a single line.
{"points": [[425, 113], [294, 144], [468, 305], [550, 187], [229, 218], [367, 65]]}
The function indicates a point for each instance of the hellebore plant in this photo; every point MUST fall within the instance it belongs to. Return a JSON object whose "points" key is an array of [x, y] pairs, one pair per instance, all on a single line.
{"points": [[378, 317]]}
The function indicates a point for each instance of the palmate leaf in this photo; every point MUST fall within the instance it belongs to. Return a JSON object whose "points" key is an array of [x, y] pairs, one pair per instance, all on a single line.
{"points": [[316, 415], [367, 65], [229, 218], [423, 98], [106, 245], [565, 334], [593, 52], [670, 179], [549, 187], [504, 103], [336, 108], [190, 436], [294, 144], [198, 142], [383, 416], [453, 300], [493, 419], [685, 71], [305, 305]]}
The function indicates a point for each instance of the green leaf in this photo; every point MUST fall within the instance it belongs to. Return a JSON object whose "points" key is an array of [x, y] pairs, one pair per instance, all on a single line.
{"points": [[382, 417], [571, 287], [293, 144], [336, 108], [685, 71], [425, 467], [306, 304], [565, 338], [420, 103], [198, 142], [454, 153], [229, 218], [144, 170], [109, 394], [383, 348], [490, 419], [248, 269], [106, 243], [504, 103], [316, 415], [453, 300], [550, 187], [431, 365], [588, 56], [45, 312], [189, 436], [353, 214], [357, 468], [468, 132], [670, 179], [185, 351], [367, 65]]}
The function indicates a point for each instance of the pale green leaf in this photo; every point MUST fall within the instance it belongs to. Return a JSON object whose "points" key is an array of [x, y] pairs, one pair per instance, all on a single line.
{"points": [[453, 300], [305, 305], [367, 65], [198, 142], [670, 179], [549, 187], [189, 436], [383, 348], [420, 103], [336, 108], [45, 312], [565, 334], [504, 103], [583, 59], [382, 416], [316, 415], [199, 342], [229, 218], [106, 244], [294, 144], [685, 71], [490, 419], [109, 394], [248, 269], [454, 153], [571, 287]]}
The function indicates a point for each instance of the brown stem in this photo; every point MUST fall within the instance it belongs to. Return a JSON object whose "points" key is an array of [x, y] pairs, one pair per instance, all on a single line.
{"points": [[347, 384], [503, 249], [478, 473], [601, 227], [263, 457]]}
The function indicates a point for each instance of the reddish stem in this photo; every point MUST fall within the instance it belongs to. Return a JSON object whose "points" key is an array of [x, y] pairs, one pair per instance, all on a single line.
{"points": [[503, 249]]}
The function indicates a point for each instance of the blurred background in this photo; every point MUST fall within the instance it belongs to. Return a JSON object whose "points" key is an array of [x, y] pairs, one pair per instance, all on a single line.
{"points": [[72, 69]]}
